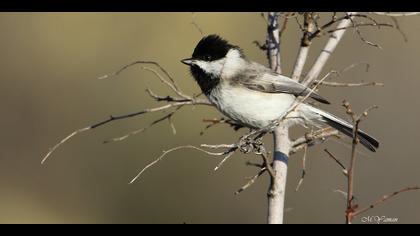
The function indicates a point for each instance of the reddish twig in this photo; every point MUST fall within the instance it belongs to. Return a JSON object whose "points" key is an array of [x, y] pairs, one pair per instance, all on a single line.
{"points": [[383, 199]]}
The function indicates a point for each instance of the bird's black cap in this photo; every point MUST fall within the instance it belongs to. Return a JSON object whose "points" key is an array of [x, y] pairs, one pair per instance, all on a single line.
{"points": [[212, 47]]}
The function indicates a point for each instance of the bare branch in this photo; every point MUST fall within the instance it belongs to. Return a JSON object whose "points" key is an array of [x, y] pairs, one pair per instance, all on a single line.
{"points": [[329, 48], [171, 123], [150, 110], [195, 24], [350, 170], [300, 62], [397, 14], [141, 62], [267, 164], [305, 43], [397, 26], [249, 163], [313, 138], [303, 169], [357, 25], [166, 117], [63, 141], [339, 73], [383, 199], [251, 181], [171, 83], [343, 168], [232, 151], [334, 19], [284, 25], [360, 84], [160, 158], [217, 146], [115, 118], [214, 122], [359, 33], [273, 42]]}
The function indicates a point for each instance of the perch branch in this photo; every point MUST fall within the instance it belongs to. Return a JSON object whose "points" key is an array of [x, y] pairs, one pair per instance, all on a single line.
{"points": [[282, 148]]}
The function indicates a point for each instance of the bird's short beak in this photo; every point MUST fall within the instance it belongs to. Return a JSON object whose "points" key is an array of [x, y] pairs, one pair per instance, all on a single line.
{"points": [[188, 61]]}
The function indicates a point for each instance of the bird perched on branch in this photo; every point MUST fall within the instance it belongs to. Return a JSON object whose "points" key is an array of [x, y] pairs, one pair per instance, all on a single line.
{"points": [[254, 95]]}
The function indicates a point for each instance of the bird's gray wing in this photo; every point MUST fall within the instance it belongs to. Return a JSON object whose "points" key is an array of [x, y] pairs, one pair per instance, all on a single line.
{"points": [[271, 82]]}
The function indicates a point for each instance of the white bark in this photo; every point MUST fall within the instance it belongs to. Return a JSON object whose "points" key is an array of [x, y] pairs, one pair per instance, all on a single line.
{"points": [[304, 47], [277, 191], [277, 187], [300, 62], [329, 48], [273, 42]]}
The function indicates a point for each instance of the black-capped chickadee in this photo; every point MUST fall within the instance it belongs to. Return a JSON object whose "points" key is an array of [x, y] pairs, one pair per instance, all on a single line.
{"points": [[254, 95]]}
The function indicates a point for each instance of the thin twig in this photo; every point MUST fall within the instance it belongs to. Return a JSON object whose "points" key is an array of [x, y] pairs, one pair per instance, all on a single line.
{"points": [[224, 159], [340, 72], [284, 25], [383, 199], [267, 165], [397, 14], [350, 170], [115, 118], [160, 158], [165, 117], [171, 83], [314, 138], [63, 141], [251, 181], [359, 33], [137, 63], [361, 84], [303, 169], [397, 26], [213, 122], [343, 168], [195, 24], [360, 25]]}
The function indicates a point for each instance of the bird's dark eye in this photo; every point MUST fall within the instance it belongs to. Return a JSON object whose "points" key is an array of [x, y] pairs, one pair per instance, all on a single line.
{"points": [[207, 58]]}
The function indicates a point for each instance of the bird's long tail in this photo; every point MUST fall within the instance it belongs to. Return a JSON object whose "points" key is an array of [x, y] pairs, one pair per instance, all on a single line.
{"points": [[346, 128]]}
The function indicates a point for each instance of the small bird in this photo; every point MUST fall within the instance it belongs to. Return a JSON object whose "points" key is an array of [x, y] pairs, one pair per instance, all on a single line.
{"points": [[254, 95]]}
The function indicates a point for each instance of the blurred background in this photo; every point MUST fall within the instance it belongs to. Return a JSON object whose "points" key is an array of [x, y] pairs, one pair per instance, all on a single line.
{"points": [[48, 70]]}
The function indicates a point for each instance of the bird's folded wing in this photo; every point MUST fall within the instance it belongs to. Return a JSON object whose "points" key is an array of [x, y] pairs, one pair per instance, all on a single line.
{"points": [[276, 83]]}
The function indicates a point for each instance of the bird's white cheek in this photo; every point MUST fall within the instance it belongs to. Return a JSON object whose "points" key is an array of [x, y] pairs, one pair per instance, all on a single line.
{"points": [[215, 67]]}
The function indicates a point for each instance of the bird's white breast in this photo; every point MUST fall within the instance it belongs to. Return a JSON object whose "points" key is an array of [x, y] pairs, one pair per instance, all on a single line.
{"points": [[252, 108]]}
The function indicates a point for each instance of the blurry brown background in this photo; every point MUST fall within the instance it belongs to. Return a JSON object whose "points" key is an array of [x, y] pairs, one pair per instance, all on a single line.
{"points": [[48, 70]]}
